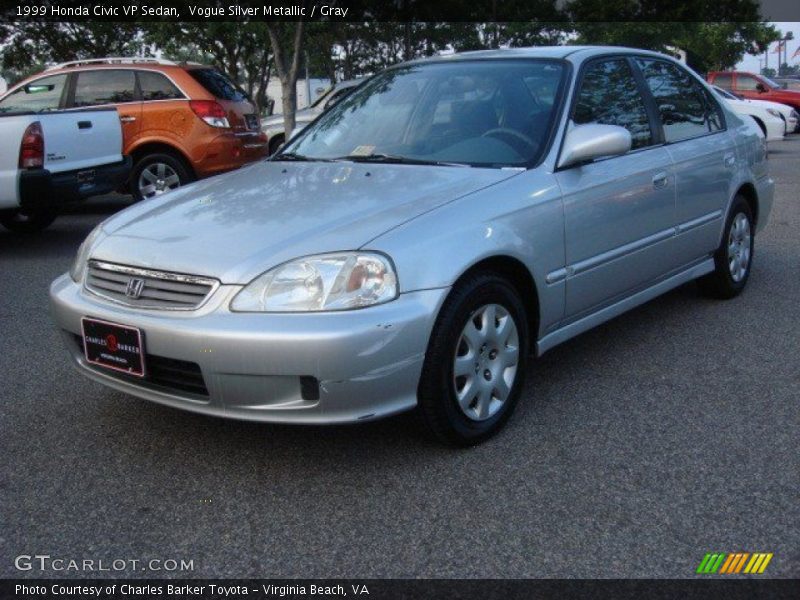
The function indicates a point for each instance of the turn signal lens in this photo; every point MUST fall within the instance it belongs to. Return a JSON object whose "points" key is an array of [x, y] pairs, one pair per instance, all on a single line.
{"points": [[211, 112]]}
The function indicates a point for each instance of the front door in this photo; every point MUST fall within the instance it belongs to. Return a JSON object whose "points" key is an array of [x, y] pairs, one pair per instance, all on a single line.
{"points": [[619, 211]]}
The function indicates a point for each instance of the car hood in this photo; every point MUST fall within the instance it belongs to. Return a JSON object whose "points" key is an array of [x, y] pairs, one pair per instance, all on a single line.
{"points": [[236, 226]]}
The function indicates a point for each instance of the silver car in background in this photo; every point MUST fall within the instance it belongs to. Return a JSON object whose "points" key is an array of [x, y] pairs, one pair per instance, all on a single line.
{"points": [[273, 124], [415, 244]]}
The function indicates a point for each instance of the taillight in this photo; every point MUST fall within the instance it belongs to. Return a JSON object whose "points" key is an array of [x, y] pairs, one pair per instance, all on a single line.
{"points": [[31, 152], [211, 112]]}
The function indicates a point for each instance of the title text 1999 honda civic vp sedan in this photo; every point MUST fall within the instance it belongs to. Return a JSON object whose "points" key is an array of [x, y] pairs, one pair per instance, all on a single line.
{"points": [[416, 242]]}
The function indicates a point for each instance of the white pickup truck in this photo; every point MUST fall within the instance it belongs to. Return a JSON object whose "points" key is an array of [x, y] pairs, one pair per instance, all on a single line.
{"points": [[49, 158]]}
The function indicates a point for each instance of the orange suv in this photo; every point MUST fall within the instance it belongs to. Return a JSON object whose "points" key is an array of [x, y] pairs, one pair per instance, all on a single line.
{"points": [[180, 122]]}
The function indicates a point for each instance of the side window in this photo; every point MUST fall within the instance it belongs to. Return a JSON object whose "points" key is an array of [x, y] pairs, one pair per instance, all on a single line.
{"points": [[724, 80], [105, 86], [683, 104], [609, 96], [155, 86], [748, 83], [41, 94]]}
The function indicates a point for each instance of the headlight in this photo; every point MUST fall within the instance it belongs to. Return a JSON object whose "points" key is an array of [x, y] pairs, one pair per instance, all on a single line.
{"points": [[774, 113], [339, 281], [78, 268]]}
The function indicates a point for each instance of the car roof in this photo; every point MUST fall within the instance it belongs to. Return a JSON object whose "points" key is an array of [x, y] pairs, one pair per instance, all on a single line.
{"points": [[577, 53]]}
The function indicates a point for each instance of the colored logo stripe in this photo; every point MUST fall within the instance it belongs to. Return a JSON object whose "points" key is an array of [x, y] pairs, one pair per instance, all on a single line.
{"points": [[734, 562]]}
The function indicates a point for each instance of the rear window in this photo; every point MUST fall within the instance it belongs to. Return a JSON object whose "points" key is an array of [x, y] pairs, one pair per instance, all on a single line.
{"points": [[218, 85]]}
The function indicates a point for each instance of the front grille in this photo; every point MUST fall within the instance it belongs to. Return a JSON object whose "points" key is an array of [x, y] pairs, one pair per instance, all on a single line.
{"points": [[145, 288], [162, 373]]}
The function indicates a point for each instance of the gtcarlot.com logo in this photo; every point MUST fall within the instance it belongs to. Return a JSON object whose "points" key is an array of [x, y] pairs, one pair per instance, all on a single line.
{"points": [[45, 562], [734, 563]]}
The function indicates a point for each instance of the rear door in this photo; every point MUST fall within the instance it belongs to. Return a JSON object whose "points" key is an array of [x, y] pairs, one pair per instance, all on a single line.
{"points": [[619, 211], [703, 153], [110, 87]]}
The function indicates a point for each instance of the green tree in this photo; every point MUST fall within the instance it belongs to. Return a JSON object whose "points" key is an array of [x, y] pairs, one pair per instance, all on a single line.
{"points": [[30, 46]]}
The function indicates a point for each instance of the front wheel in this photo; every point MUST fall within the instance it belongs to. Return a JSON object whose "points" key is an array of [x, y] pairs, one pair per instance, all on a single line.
{"points": [[475, 365], [26, 220], [734, 257]]}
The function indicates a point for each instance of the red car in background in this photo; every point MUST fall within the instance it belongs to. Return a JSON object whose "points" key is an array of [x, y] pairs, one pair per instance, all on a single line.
{"points": [[754, 87]]}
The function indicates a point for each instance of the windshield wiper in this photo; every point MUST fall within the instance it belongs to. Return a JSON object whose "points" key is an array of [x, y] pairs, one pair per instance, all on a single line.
{"points": [[397, 160], [294, 156]]}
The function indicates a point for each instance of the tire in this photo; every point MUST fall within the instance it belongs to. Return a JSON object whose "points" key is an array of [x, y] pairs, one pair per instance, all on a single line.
{"points": [[28, 221], [480, 414], [733, 259], [162, 172]]}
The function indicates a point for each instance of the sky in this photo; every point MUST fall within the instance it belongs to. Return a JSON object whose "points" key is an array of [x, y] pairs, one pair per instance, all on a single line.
{"points": [[751, 63]]}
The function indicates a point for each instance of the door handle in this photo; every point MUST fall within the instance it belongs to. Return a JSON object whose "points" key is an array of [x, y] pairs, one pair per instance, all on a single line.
{"points": [[660, 180], [730, 159], [127, 119]]}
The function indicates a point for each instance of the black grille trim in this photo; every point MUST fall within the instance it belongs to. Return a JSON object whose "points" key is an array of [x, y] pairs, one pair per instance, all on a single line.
{"points": [[168, 374]]}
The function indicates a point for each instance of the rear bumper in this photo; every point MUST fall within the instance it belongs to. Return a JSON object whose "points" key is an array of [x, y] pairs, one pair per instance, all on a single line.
{"points": [[230, 151], [40, 188]]}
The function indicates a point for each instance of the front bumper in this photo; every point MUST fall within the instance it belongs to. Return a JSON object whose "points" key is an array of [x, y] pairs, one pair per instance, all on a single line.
{"points": [[294, 368], [41, 188]]}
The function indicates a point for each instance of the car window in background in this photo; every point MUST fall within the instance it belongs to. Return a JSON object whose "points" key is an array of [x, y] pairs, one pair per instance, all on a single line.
{"points": [[156, 86], [482, 113], [724, 80], [42, 94], [218, 85], [747, 83], [685, 107], [104, 86], [609, 96]]}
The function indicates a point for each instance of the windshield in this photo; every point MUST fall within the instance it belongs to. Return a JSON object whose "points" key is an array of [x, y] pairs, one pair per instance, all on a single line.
{"points": [[770, 82], [491, 113]]}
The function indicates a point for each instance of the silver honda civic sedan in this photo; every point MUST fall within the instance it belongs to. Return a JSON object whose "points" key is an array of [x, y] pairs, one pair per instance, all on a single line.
{"points": [[416, 243]]}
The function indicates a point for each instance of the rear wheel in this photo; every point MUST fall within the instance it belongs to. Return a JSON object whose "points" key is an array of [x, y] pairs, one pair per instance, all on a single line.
{"points": [[475, 365], [28, 220], [734, 257], [156, 174]]}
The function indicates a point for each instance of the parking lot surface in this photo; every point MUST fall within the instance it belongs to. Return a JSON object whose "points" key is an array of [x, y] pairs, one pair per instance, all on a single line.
{"points": [[667, 433]]}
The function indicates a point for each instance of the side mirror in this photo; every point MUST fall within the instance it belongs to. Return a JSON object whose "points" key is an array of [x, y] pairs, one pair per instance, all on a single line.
{"points": [[762, 89], [587, 142]]}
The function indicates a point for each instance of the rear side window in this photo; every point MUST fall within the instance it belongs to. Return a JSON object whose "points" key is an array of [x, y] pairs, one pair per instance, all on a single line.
{"points": [[724, 80], [105, 86], [685, 107], [218, 85], [609, 96], [42, 94], [155, 86]]}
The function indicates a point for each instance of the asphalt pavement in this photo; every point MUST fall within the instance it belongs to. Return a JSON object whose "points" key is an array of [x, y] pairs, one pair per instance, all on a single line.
{"points": [[638, 447]]}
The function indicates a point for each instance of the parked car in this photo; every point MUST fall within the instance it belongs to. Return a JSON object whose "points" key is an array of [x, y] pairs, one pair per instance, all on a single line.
{"points": [[413, 245], [754, 87], [54, 158], [272, 126], [768, 118], [180, 122]]}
